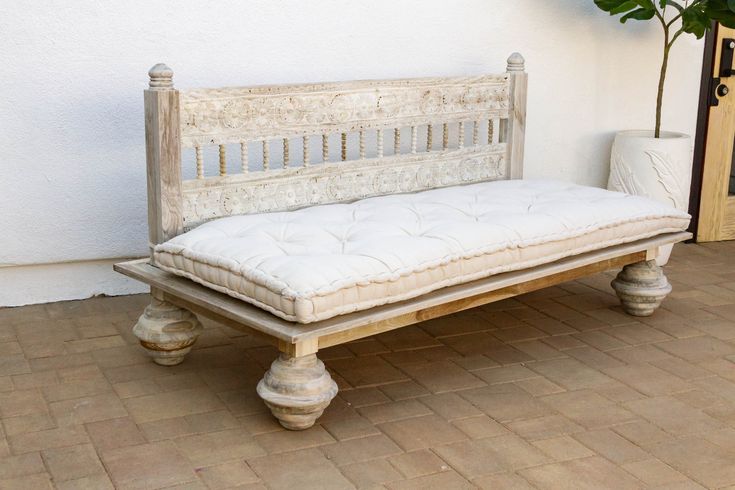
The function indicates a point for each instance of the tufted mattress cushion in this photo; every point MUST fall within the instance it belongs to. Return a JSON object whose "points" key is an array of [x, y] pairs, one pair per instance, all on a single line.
{"points": [[319, 262]]}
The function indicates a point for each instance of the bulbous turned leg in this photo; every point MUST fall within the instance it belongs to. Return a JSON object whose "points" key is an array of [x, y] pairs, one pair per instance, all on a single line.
{"points": [[167, 332], [641, 287], [297, 390]]}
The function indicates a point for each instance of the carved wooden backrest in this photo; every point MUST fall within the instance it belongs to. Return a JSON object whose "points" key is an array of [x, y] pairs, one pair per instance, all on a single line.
{"points": [[274, 148]]}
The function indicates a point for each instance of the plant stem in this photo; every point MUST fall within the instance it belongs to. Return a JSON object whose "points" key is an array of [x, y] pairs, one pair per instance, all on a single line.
{"points": [[662, 81]]}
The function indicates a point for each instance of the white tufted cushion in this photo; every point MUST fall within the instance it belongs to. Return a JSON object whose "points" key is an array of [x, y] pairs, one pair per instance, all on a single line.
{"points": [[318, 262]]}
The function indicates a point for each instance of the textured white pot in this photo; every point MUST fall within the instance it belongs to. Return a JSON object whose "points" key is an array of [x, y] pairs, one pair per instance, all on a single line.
{"points": [[659, 168]]}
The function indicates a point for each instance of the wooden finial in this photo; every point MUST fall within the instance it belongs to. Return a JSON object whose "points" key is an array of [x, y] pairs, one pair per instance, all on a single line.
{"points": [[516, 62], [161, 77]]}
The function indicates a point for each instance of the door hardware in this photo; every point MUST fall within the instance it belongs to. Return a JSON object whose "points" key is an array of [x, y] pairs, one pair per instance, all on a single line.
{"points": [[728, 50], [714, 91]]}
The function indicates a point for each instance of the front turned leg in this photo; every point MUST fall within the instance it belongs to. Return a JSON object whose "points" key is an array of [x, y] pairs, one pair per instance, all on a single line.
{"points": [[641, 287], [167, 332], [297, 390]]}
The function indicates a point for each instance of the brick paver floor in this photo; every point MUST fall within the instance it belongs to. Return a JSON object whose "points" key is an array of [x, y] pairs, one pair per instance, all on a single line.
{"points": [[555, 389]]}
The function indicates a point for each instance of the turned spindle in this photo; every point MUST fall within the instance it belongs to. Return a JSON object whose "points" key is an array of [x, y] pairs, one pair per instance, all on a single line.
{"points": [[200, 161], [222, 161], [266, 155], [306, 151]]}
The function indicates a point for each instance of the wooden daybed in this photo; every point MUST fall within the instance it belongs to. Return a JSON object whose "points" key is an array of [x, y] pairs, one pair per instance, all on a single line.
{"points": [[437, 223]]}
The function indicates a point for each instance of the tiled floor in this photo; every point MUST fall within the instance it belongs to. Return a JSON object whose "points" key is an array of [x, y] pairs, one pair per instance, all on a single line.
{"points": [[556, 389]]}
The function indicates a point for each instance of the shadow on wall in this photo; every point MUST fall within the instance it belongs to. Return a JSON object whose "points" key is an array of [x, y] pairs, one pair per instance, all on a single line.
{"points": [[601, 144]]}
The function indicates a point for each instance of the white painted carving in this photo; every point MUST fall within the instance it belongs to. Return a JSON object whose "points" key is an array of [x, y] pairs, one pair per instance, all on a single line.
{"points": [[230, 115], [284, 189], [211, 117], [669, 178], [622, 177]]}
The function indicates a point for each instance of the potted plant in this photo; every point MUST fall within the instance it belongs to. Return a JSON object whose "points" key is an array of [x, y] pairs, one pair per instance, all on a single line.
{"points": [[657, 163]]}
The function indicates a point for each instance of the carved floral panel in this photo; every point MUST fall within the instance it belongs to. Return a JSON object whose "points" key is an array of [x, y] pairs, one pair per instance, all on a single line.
{"points": [[231, 115], [282, 190]]}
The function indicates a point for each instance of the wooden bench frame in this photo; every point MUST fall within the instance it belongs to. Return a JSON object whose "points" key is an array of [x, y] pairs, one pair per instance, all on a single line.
{"points": [[298, 388]]}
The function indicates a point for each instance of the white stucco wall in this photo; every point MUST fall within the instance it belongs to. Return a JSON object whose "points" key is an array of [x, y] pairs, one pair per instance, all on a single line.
{"points": [[72, 192]]}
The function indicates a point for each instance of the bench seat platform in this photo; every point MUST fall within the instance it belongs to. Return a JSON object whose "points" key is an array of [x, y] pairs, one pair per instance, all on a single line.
{"points": [[297, 340], [319, 262]]}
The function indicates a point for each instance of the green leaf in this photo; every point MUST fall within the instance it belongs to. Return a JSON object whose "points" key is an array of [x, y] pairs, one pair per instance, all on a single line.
{"points": [[623, 7], [722, 11], [620, 6], [639, 14], [696, 17], [616, 6], [633, 9], [695, 21]]}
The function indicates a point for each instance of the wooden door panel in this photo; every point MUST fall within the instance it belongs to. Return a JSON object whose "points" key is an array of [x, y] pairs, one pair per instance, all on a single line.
{"points": [[717, 207]]}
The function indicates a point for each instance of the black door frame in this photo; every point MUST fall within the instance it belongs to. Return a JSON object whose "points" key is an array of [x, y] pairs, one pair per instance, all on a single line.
{"points": [[700, 139]]}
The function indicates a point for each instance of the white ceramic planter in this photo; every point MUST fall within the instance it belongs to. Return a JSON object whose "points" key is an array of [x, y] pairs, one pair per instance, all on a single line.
{"points": [[659, 168]]}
